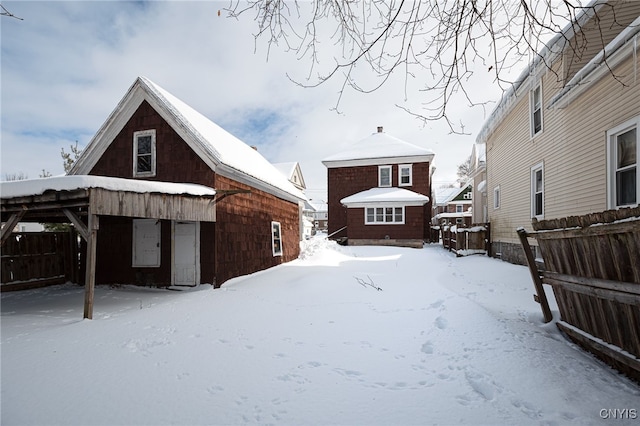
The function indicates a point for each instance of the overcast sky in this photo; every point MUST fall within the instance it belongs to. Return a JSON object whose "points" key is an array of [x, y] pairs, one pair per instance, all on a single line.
{"points": [[66, 66]]}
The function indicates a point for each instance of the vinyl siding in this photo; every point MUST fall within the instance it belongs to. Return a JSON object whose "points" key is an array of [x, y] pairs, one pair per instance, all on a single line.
{"points": [[572, 147], [597, 33]]}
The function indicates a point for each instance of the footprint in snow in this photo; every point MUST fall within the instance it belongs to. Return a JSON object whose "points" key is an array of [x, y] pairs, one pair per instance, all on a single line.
{"points": [[437, 304], [481, 385], [427, 348], [441, 323]]}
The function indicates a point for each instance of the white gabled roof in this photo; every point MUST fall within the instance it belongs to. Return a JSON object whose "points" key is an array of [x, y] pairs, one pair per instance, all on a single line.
{"points": [[385, 196], [379, 148], [30, 187], [443, 195], [220, 150], [286, 169], [292, 171]]}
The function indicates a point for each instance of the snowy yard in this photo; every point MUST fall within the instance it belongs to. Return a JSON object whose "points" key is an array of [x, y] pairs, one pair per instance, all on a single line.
{"points": [[445, 341]]}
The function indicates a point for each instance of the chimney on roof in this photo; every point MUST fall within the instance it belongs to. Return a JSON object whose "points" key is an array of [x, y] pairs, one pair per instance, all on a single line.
{"points": [[379, 129], [255, 148]]}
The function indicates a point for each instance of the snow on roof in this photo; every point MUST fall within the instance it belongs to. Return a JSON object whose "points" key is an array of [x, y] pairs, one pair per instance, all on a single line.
{"points": [[319, 206], [223, 152], [385, 195], [451, 215], [286, 169], [443, 195], [29, 187], [225, 147], [380, 145]]}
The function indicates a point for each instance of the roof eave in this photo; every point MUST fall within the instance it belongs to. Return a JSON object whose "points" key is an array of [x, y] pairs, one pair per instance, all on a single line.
{"points": [[330, 164], [387, 203]]}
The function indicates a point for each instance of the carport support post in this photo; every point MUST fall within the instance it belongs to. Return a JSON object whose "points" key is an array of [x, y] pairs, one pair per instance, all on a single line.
{"points": [[90, 274]]}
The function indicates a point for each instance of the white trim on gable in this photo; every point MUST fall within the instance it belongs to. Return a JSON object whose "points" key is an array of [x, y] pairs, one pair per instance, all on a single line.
{"points": [[173, 111]]}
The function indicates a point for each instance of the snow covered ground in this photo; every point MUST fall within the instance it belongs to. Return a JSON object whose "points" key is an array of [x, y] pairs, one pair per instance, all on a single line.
{"points": [[445, 340]]}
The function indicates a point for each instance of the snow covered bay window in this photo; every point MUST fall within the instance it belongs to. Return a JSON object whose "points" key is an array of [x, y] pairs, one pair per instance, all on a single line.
{"points": [[384, 206]]}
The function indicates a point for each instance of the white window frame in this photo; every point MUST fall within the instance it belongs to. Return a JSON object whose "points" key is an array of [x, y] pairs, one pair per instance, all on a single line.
{"points": [[496, 197], [459, 208], [405, 167], [276, 239], [535, 107], [136, 136], [612, 166], [380, 169], [535, 191], [380, 215]]}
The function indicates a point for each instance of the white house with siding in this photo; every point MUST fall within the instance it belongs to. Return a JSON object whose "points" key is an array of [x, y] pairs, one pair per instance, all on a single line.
{"points": [[565, 140]]}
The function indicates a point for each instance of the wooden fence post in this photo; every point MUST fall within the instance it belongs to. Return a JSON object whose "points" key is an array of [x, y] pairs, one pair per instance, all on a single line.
{"points": [[90, 277], [537, 282]]}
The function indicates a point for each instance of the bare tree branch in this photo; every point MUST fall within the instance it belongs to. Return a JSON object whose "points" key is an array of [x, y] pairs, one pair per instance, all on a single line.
{"points": [[438, 44], [5, 12]]}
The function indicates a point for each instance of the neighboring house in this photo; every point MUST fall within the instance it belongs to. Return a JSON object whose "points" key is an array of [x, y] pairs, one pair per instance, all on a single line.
{"points": [[478, 176], [456, 208], [565, 140], [440, 197], [378, 192], [293, 173], [320, 217], [153, 136]]}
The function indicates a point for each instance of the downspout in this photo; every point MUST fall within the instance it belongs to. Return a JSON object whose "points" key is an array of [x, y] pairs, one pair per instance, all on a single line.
{"points": [[635, 59]]}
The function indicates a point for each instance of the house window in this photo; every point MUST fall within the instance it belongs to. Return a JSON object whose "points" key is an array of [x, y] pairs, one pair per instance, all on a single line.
{"points": [[384, 176], [384, 215], [144, 153], [535, 100], [405, 175], [496, 197], [459, 208], [623, 152], [276, 239], [146, 243], [537, 191]]}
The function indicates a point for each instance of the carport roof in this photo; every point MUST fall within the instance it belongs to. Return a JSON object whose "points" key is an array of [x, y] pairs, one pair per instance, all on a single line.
{"points": [[31, 187], [51, 199]]}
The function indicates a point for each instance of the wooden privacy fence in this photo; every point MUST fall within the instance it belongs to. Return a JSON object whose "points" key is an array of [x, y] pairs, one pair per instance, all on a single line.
{"points": [[592, 263], [31, 260], [465, 241]]}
